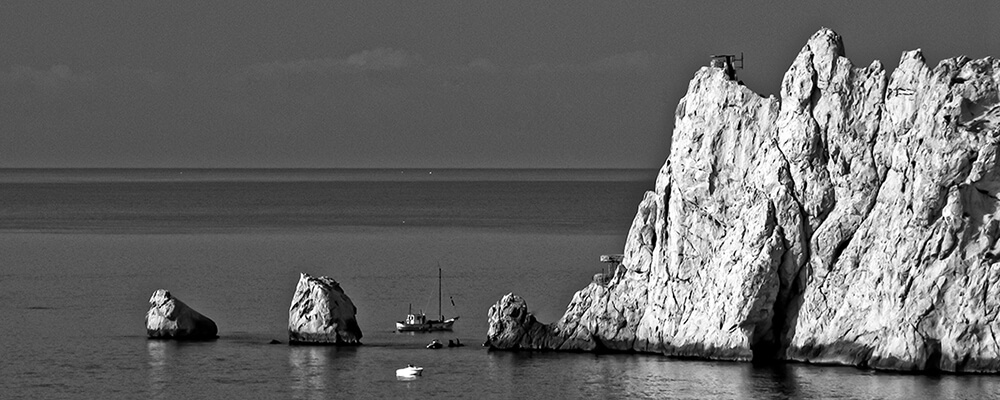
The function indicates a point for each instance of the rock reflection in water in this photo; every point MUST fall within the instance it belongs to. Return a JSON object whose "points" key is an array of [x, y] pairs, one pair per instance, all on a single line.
{"points": [[585, 375], [158, 376], [769, 381], [310, 371], [625, 376]]}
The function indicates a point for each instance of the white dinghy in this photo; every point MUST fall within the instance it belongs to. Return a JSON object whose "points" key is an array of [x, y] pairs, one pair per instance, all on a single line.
{"points": [[410, 372]]}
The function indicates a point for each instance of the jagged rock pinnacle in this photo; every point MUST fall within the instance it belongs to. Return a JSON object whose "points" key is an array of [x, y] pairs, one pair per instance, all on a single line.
{"points": [[853, 221]]}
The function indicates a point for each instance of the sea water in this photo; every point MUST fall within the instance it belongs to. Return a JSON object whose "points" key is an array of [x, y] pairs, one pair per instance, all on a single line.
{"points": [[82, 251]]}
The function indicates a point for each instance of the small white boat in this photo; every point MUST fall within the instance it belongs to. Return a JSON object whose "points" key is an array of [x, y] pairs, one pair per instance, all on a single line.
{"points": [[410, 371]]}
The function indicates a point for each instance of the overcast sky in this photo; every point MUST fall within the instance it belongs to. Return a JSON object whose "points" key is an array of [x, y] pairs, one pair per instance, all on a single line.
{"points": [[436, 84]]}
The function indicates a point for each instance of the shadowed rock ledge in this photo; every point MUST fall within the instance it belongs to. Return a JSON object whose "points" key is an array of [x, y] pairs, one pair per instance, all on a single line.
{"points": [[322, 314], [854, 221]]}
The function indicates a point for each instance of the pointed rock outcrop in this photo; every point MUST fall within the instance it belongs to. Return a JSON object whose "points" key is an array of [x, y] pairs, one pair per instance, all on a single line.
{"points": [[852, 221], [170, 318], [322, 314], [915, 285], [512, 327]]}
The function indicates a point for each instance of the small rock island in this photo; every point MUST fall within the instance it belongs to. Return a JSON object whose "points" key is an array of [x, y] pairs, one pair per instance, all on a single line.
{"points": [[322, 314], [170, 318], [854, 221]]}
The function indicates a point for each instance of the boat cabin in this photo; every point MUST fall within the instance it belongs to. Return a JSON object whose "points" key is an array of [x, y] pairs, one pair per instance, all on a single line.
{"points": [[415, 319]]}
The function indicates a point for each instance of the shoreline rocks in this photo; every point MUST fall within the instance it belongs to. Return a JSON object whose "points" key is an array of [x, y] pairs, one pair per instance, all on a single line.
{"points": [[852, 221], [170, 318], [322, 314]]}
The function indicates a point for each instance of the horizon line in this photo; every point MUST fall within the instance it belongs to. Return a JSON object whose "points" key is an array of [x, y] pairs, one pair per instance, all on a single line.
{"points": [[325, 168]]}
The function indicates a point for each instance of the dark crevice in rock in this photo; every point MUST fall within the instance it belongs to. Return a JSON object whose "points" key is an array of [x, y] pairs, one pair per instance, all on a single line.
{"points": [[786, 314], [840, 249], [789, 302], [815, 94], [933, 349]]}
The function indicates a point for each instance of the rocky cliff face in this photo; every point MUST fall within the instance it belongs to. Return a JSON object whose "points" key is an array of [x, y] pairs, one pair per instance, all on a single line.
{"points": [[170, 318], [852, 221], [322, 314]]}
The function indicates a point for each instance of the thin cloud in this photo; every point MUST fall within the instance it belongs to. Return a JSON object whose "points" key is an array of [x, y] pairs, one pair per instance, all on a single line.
{"points": [[637, 61], [50, 81], [60, 78], [634, 62], [380, 59]]}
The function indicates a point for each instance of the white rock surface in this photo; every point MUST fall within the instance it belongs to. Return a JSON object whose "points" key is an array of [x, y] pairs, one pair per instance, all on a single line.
{"points": [[853, 221], [170, 318], [915, 287], [322, 314]]}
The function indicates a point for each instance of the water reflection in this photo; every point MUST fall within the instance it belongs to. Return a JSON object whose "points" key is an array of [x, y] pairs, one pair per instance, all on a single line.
{"points": [[576, 375], [794, 381], [158, 376], [499, 374], [629, 376], [636, 376], [773, 381], [310, 371], [889, 385], [568, 375]]}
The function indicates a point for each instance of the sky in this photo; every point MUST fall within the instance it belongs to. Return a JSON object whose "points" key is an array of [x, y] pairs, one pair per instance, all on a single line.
{"points": [[408, 84]]}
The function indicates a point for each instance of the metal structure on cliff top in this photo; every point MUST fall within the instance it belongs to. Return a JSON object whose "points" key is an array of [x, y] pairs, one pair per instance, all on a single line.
{"points": [[728, 63]]}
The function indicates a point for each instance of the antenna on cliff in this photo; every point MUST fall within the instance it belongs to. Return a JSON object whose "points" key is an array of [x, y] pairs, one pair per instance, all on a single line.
{"points": [[728, 62], [730, 59]]}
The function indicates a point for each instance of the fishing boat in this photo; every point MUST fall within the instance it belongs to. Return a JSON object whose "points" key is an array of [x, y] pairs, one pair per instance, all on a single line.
{"points": [[420, 323]]}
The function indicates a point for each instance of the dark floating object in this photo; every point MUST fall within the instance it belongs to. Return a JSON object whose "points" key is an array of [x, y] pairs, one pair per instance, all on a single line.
{"points": [[435, 344], [274, 341]]}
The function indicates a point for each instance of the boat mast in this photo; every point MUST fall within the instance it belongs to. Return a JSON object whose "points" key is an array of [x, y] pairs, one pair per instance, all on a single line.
{"points": [[439, 295]]}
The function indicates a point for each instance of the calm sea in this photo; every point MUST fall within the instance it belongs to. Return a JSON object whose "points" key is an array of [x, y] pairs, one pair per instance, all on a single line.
{"points": [[82, 251]]}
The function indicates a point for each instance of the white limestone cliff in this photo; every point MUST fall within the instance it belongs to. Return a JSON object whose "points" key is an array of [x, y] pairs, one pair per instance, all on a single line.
{"points": [[170, 318], [852, 221], [321, 313]]}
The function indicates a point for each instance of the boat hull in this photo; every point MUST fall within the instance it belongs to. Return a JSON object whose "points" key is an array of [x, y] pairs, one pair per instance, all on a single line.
{"points": [[409, 372], [428, 326]]}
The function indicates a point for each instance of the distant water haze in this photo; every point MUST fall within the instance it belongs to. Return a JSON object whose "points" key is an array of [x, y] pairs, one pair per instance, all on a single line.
{"points": [[193, 201], [26, 175]]}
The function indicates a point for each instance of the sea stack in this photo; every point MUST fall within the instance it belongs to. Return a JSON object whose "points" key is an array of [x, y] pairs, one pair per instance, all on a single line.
{"points": [[322, 314], [170, 318], [512, 327], [852, 221]]}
